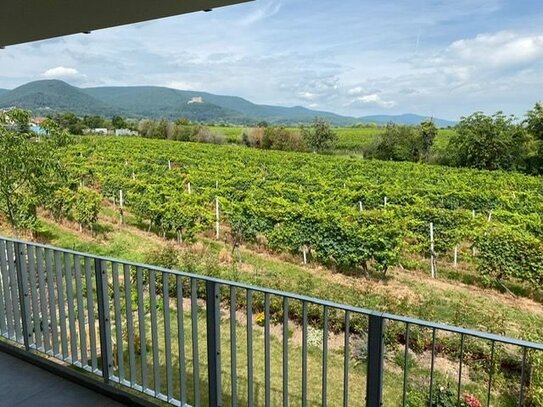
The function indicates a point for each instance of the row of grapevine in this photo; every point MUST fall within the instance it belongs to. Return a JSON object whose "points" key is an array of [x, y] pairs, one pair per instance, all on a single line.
{"points": [[345, 212]]}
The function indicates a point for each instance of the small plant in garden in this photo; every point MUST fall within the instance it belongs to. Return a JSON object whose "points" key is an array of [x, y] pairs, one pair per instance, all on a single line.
{"points": [[359, 349], [260, 319], [314, 336]]}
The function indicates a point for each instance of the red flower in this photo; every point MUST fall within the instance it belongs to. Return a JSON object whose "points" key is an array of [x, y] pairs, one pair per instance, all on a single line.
{"points": [[472, 401]]}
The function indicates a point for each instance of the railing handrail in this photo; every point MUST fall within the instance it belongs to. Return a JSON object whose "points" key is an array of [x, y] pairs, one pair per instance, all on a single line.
{"points": [[317, 301]]}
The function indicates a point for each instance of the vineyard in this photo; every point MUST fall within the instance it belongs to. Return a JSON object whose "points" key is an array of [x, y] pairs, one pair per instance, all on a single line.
{"points": [[340, 228], [345, 213]]}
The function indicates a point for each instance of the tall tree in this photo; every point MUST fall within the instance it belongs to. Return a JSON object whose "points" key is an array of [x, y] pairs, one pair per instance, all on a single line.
{"points": [[488, 142], [118, 122], [320, 136], [428, 132], [29, 170], [534, 126]]}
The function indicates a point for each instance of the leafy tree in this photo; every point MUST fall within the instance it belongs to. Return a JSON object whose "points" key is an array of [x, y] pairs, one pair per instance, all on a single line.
{"points": [[118, 122], [29, 171], [70, 122], [488, 142], [183, 121], [320, 136], [94, 122], [397, 143], [534, 126], [428, 132]]}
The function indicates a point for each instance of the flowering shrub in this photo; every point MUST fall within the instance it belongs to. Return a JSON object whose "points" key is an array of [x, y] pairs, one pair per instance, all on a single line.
{"points": [[260, 319], [471, 401]]}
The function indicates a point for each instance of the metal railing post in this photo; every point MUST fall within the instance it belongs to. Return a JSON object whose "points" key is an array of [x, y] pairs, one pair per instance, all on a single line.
{"points": [[213, 319], [376, 348], [104, 323], [24, 302]]}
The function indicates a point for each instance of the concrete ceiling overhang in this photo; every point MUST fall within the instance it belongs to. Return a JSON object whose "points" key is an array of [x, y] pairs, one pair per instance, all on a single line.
{"points": [[31, 20]]}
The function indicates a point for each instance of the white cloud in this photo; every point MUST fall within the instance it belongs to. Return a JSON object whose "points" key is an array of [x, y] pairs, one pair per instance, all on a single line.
{"points": [[374, 99], [263, 12], [497, 50], [182, 85], [356, 90], [60, 72]]}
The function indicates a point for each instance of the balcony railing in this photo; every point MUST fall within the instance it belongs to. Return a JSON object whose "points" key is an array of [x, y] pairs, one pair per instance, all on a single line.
{"points": [[189, 339]]}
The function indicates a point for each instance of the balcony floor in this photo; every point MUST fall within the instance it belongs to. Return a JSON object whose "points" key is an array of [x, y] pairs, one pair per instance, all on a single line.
{"points": [[23, 384]]}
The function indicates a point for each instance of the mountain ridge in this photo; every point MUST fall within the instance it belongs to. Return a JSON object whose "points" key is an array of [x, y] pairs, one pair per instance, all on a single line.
{"points": [[54, 96]]}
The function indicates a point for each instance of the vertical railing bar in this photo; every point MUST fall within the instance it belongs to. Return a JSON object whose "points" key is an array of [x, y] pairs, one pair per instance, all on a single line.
{"points": [[167, 333], [374, 384], [22, 282], [141, 326], [213, 319], [405, 364], [325, 357], [490, 373], [14, 288], [154, 331], [3, 327], [70, 295], [52, 301], [80, 311], [462, 338], [7, 293], [118, 320], [195, 339], [130, 324], [304, 354], [90, 313], [104, 318], [346, 358], [233, 347], [43, 300], [61, 306], [523, 376], [250, 390], [181, 341], [267, 352], [285, 351], [34, 296], [432, 364]]}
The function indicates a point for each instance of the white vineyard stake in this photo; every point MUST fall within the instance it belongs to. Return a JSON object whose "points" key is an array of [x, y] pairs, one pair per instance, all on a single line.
{"points": [[305, 255], [188, 187], [169, 165], [217, 225], [432, 253], [455, 260], [360, 206], [121, 204]]}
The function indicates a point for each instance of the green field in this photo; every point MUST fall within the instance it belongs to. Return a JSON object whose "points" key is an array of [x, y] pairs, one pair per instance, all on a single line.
{"points": [[350, 140]]}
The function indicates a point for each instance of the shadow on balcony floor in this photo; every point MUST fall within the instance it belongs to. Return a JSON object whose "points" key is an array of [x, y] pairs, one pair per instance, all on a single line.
{"points": [[23, 384]]}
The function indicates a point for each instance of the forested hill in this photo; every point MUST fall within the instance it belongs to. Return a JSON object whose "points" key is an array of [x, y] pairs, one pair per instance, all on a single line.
{"points": [[54, 96]]}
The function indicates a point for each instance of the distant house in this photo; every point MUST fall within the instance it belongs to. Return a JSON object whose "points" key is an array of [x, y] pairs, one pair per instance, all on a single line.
{"points": [[38, 121], [196, 99], [125, 132], [37, 129], [100, 130]]}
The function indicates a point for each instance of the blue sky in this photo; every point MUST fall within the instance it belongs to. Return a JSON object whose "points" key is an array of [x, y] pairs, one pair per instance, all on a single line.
{"points": [[445, 58]]}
